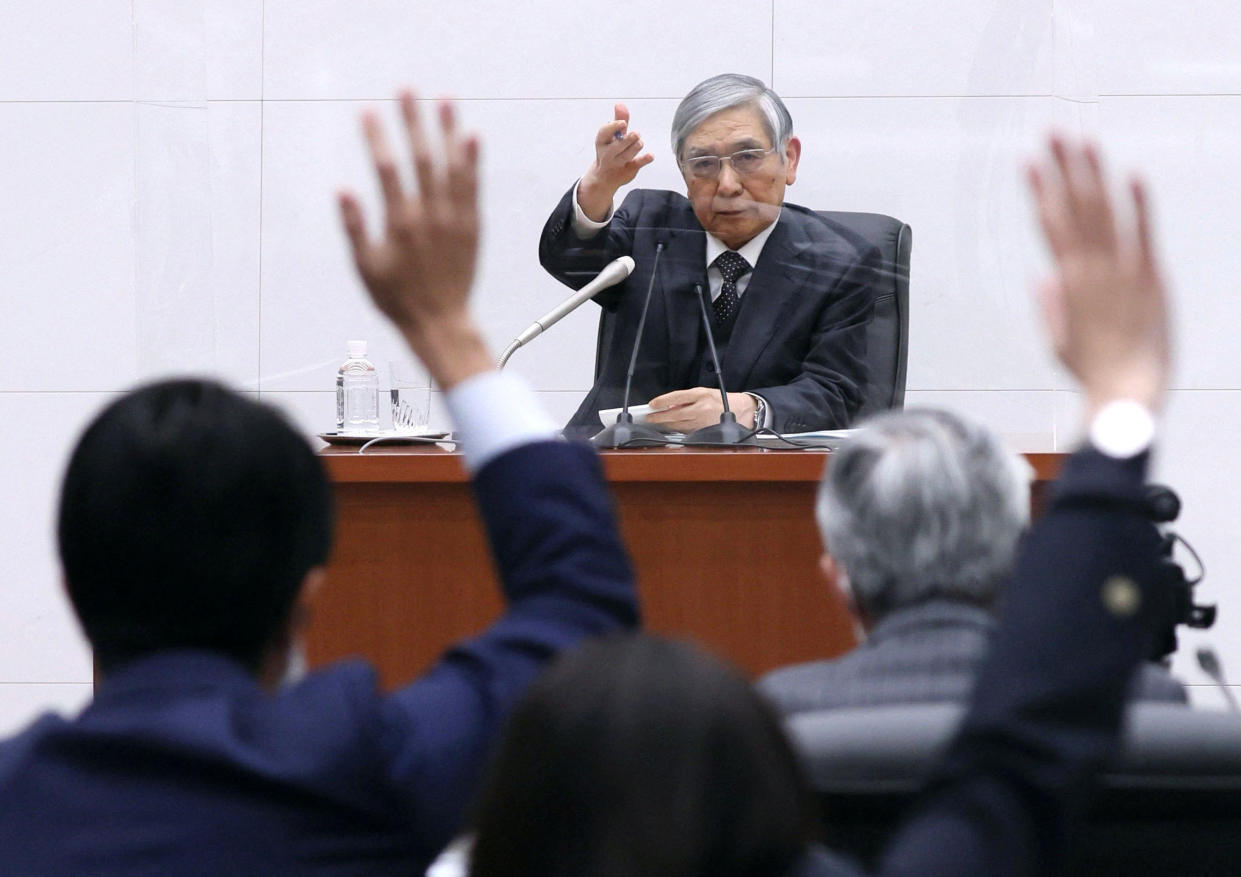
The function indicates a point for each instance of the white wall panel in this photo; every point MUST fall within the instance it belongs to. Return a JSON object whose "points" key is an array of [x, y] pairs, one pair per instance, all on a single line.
{"points": [[66, 246], [21, 703], [39, 637], [170, 50], [234, 50], [1160, 48], [1189, 149], [176, 306], [235, 184], [908, 47], [66, 50], [540, 48], [950, 167]]}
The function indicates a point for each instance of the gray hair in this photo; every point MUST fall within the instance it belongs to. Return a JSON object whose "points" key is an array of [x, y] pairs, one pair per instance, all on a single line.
{"points": [[723, 92], [923, 504]]}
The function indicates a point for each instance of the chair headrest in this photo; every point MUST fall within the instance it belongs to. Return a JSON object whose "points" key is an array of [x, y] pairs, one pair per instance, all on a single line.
{"points": [[890, 748]]}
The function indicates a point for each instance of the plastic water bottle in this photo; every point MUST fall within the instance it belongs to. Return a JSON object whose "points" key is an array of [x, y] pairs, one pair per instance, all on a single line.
{"points": [[357, 392]]}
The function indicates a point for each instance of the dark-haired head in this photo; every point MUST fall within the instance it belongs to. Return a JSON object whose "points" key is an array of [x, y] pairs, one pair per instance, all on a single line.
{"points": [[190, 518], [642, 756]]}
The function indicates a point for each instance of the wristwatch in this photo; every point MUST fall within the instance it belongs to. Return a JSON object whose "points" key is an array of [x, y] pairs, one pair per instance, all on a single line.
{"points": [[760, 410], [1122, 428]]}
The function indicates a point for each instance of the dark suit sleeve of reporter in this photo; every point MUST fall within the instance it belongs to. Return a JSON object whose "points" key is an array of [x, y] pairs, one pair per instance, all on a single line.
{"points": [[1045, 714], [829, 388], [565, 575], [575, 261]]}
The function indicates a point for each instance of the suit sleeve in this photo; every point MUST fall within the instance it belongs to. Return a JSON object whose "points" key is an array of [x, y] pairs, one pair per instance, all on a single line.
{"points": [[565, 576], [1046, 711], [575, 261], [829, 388]]}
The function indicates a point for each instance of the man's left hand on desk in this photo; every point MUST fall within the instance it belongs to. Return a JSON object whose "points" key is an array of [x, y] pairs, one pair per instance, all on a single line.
{"points": [[688, 410]]}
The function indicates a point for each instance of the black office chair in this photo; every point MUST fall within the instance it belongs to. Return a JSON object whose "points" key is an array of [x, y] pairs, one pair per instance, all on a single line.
{"points": [[1170, 805], [887, 339], [888, 334]]}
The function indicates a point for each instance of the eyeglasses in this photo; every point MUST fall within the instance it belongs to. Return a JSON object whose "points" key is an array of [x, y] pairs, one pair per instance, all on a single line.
{"points": [[707, 167]]}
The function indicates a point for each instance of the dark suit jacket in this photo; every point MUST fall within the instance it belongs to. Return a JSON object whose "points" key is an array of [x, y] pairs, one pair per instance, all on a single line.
{"points": [[929, 653], [182, 765], [799, 339]]}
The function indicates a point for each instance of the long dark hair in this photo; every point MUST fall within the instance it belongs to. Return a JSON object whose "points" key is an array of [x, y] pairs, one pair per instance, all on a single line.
{"points": [[642, 757]]}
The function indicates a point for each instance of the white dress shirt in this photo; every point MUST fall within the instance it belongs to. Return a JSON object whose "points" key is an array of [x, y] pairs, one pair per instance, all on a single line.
{"points": [[493, 413]]}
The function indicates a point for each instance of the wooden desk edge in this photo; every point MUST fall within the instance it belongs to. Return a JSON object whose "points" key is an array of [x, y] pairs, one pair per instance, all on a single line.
{"points": [[437, 466]]}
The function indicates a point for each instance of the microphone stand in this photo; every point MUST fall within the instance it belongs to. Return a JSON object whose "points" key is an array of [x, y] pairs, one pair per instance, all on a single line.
{"points": [[728, 431], [613, 273], [624, 430]]}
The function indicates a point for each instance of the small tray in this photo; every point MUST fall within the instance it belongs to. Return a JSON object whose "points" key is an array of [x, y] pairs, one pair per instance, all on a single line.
{"points": [[389, 436]]}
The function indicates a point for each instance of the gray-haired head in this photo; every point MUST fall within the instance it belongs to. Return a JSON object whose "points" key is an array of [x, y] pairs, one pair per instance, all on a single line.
{"points": [[723, 92], [923, 504]]}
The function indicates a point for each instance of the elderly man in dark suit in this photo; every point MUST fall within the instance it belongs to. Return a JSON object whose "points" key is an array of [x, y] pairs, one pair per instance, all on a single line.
{"points": [[791, 292], [921, 514], [194, 529]]}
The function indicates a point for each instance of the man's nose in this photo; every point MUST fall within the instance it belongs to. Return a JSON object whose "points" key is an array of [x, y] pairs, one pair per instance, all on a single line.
{"points": [[729, 180]]}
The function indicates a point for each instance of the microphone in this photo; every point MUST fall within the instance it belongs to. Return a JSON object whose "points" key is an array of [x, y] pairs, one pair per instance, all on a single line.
{"points": [[728, 431], [611, 275], [624, 430], [1209, 662]]}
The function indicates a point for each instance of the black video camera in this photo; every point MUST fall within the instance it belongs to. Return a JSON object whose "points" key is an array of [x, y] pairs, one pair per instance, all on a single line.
{"points": [[1163, 506]]}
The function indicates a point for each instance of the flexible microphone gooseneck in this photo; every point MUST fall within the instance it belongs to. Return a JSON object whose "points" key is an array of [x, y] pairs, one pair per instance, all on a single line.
{"points": [[613, 273], [624, 430], [728, 431], [1208, 660]]}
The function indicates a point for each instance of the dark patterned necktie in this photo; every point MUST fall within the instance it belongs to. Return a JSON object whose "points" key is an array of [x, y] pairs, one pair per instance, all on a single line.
{"points": [[731, 265]]}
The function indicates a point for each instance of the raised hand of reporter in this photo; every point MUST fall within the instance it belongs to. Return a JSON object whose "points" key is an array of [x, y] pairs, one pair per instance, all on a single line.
{"points": [[420, 271], [1106, 305], [618, 158]]}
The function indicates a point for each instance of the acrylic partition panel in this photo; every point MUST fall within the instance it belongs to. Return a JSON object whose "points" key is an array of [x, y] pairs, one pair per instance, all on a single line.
{"points": [[169, 172]]}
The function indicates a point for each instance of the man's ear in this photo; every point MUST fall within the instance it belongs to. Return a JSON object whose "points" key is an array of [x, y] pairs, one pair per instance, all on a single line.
{"points": [[831, 570], [306, 594], [837, 577], [792, 152], [275, 664]]}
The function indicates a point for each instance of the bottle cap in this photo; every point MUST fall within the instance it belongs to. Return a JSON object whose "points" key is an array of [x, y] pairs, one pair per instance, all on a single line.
{"points": [[357, 349]]}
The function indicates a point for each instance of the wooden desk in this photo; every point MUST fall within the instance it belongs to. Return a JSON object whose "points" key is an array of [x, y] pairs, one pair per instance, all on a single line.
{"points": [[724, 543]]}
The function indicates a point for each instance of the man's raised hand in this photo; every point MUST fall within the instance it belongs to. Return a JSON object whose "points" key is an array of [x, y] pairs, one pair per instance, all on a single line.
{"points": [[419, 272], [618, 158], [1106, 305]]}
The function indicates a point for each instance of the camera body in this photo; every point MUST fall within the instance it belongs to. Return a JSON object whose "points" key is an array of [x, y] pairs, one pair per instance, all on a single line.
{"points": [[1163, 506]]}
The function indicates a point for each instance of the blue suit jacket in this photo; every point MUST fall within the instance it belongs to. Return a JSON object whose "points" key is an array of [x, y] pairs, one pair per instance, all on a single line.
{"points": [[799, 339], [182, 765]]}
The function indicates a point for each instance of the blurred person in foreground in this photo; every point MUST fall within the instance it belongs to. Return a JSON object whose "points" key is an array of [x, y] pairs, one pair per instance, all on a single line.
{"points": [[622, 763], [790, 292], [194, 529], [921, 514]]}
